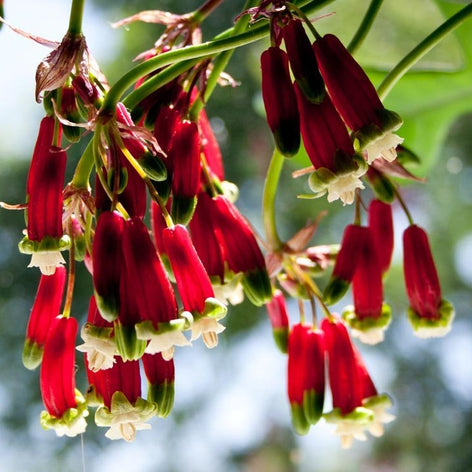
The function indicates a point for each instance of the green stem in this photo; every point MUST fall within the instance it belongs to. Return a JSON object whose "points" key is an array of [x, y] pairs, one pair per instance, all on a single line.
{"points": [[84, 168], [268, 201], [419, 51], [221, 43], [199, 15], [76, 16], [403, 205], [365, 26]]}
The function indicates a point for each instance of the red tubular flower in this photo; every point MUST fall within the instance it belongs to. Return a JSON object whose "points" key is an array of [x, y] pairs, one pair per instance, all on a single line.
{"points": [[160, 374], [185, 157], [346, 389], [194, 285], [356, 99], [123, 409], [147, 299], [203, 229], [99, 343], [45, 239], [106, 257], [65, 406], [210, 147], [369, 317], [70, 112], [279, 101], [347, 261], [303, 61], [241, 250], [278, 316], [46, 307], [429, 314], [329, 147], [381, 227], [306, 379]]}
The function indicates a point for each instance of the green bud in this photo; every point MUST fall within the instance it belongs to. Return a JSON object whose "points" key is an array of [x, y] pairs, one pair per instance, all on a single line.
{"points": [[299, 421], [257, 287], [163, 396], [335, 290], [128, 345], [153, 166], [182, 209], [32, 354], [313, 405]]}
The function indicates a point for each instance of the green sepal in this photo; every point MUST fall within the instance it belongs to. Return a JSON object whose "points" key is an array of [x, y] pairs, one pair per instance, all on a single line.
{"points": [[335, 290], [360, 415], [320, 179], [163, 395], [98, 332], [406, 156], [287, 138], [383, 187], [257, 287], [163, 188], [153, 167], [313, 405], [120, 405], [375, 401], [122, 179], [299, 421], [389, 121], [32, 354], [72, 133], [70, 417], [47, 244], [281, 338], [92, 397], [314, 93], [80, 248], [368, 323], [129, 346], [432, 327], [213, 308], [109, 307], [182, 209], [145, 329]]}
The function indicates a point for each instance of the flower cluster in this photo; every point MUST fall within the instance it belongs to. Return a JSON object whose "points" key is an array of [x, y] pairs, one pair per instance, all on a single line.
{"points": [[331, 103], [167, 248]]}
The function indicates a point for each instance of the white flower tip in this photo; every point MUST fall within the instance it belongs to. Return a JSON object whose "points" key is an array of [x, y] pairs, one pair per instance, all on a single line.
{"points": [[425, 332], [370, 336], [344, 188], [47, 261], [385, 147], [76, 427]]}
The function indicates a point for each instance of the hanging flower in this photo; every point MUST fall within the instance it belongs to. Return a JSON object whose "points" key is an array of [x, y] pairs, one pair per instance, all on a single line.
{"points": [[303, 61], [279, 101], [210, 148], [149, 309], [381, 227], [369, 317], [357, 101], [99, 343], [347, 260], [65, 407], [328, 145], [429, 314], [277, 311], [107, 260], [160, 374], [46, 307], [194, 286], [45, 238], [123, 409], [306, 378]]}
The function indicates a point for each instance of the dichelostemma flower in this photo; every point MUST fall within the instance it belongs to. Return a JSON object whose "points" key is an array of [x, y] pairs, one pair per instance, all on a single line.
{"points": [[65, 407], [279, 101], [337, 167], [429, 314], [123, 411], [357, 101], [306, 376], [99, 343], [278, 316], [160, 374], [45, 238], [148, 305], [198, 299], [369, 317], [46, 307]]}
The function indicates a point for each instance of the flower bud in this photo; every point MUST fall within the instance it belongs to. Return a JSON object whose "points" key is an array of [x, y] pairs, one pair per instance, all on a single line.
{"points": [[277, 311]]}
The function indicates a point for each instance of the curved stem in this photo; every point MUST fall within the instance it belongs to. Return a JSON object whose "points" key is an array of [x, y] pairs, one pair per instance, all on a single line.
{"points": [[268, 201], [84, 168], [419, 51], [365, 25], [70, 280], [221, 43], [76, 16], [403, 205], [199, 15]]}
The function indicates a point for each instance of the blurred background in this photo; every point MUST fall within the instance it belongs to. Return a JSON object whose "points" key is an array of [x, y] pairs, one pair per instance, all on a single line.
{"points": [[231, 411]]}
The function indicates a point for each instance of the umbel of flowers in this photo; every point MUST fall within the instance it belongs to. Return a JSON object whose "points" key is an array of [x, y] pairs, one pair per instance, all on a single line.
{"points": [[161, 286]]}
